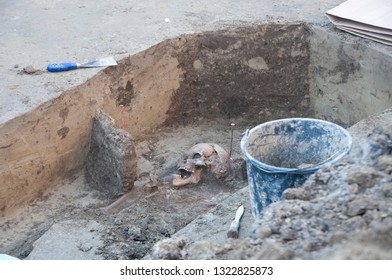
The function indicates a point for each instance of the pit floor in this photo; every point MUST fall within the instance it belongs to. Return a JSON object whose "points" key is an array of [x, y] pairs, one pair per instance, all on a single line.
{"points": [[128, 228]]}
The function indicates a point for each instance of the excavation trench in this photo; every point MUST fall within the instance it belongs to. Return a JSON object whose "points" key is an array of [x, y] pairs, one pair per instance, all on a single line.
{"points": [[183, 91]]}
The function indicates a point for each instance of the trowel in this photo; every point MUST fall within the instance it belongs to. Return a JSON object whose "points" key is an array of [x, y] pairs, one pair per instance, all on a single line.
{"points": [[65, 66], [235, 224]]}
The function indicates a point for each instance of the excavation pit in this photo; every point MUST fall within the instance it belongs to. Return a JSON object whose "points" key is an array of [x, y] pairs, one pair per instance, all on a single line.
{"points": [[183, 91]]}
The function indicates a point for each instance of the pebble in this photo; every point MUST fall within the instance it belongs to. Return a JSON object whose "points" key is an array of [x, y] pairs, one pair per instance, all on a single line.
{"points": [[168, 249], [288, 234], [297, 193], [118, 221], [363, 179], [354, 224], [359, 207], [263, 232], [135, 233], [387, 190], [307, 246], [30, 70], [323, 177]]}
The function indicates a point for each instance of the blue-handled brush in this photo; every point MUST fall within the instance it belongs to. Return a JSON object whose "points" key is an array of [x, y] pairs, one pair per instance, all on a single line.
{"points": [[65, 66]]}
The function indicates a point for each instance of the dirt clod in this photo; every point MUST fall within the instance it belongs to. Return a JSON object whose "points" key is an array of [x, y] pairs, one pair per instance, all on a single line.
{"points": [[296, 193]]}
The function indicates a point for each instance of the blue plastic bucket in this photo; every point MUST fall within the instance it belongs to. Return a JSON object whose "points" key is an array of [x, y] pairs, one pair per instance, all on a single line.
{"points": [[283, 153]]}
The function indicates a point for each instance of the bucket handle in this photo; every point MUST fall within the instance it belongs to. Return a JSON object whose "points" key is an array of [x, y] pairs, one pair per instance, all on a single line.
{"points": [[245, 133], [320, 163], [306, 169]]}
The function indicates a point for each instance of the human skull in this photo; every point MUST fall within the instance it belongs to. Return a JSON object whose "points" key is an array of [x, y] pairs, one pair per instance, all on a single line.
{"points": [[201, 157]]}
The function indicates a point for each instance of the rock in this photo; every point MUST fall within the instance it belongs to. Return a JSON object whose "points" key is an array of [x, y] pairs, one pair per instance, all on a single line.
{"points": [[385, 163], [307, 246], [263, 232], [387, 190], [135, 233], [296, 193], [353, 189], [168, 249], [288, 234], [364, 179], [30, 70], [359, 207], [323, 176], [354, 224], [372, 215]]}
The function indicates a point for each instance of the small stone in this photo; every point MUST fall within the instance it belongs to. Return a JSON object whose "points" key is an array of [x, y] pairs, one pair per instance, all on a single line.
{"points": [[30, 70], [383, 229], [135, 233], [385, 163], [308, 246], [353, 188], [263, 232], [323, 176], [257, 241], [372, 215], [359, 207], [387, 190], [168, 249], [288, 234], [97, 212], [118, 221], [363, 179], [84, 247], [354, 224], [385, 209], [228, 247], [296, 193], [355, 209]]}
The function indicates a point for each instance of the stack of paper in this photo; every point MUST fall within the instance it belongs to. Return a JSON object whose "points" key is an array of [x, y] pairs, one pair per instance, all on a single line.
{"points": [[371, 19]]}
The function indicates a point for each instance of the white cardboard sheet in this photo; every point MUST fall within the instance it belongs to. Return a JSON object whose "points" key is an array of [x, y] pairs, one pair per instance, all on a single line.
{"points": [[371, 19]]}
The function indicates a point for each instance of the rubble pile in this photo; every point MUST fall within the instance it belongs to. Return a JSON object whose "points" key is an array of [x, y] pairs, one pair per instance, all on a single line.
{"points": [[343, 211]]}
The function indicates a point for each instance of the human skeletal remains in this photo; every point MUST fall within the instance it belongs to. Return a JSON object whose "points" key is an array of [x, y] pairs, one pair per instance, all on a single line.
{"points": [[202, 157]]}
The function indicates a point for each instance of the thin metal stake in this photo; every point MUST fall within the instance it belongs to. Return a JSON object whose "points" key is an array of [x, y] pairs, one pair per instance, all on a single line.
{"points": [[122, 120], [231, 138]]}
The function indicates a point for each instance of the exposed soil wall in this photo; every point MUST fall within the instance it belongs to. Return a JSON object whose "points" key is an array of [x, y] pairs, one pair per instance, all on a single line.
{"points": [[249, 75], [350, 81]]}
